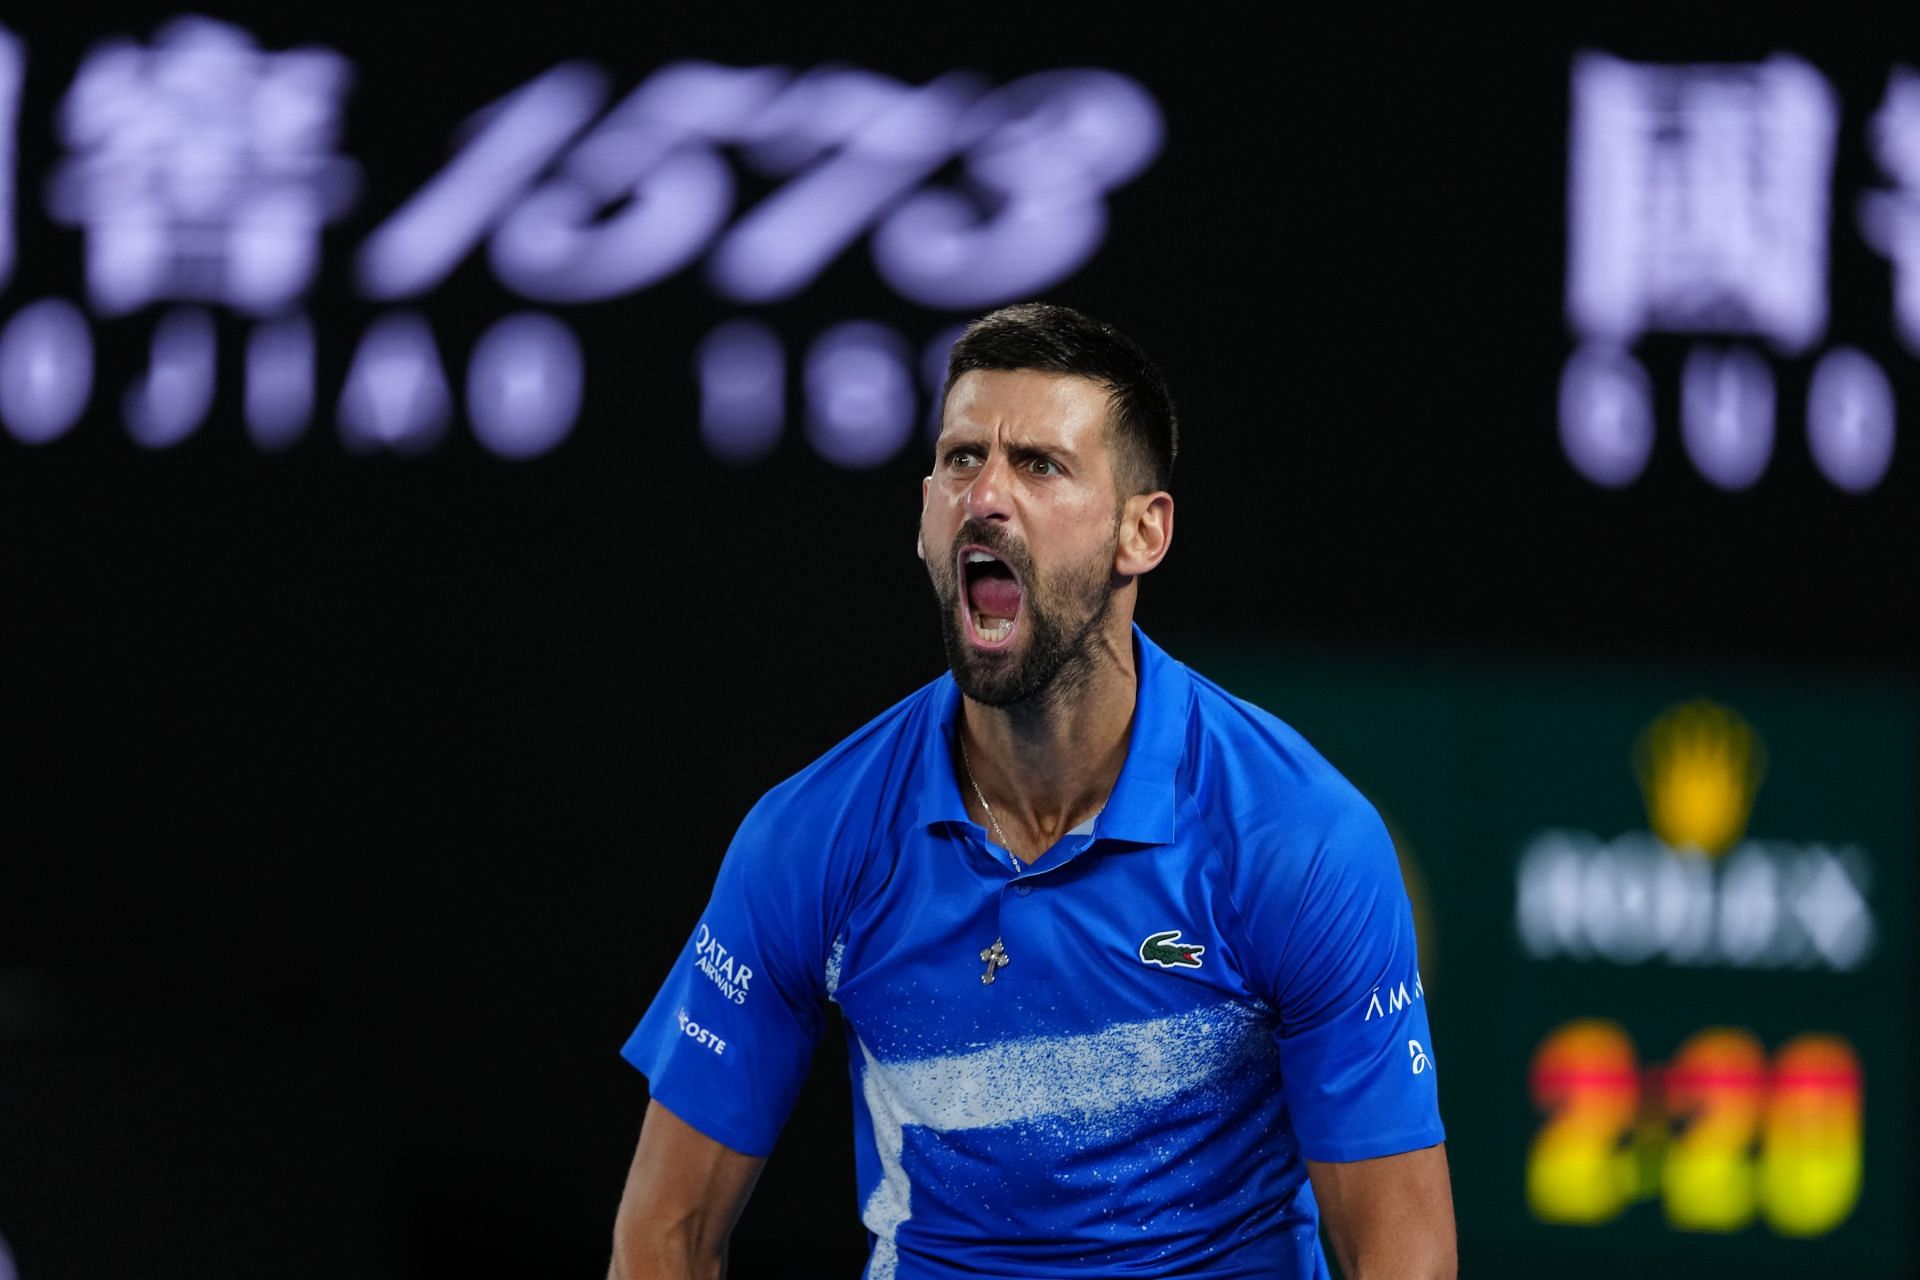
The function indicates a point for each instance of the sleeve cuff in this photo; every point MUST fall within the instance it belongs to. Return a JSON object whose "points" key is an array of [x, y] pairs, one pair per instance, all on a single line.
{"points": [[1373, 1145]]}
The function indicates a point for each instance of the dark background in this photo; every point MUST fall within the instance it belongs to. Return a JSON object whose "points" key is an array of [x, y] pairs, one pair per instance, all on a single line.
{"points": [[351, 808]]}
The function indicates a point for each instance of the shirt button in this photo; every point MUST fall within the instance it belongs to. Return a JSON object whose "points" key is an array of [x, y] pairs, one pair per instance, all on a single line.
{"points": [[1022, 888]]}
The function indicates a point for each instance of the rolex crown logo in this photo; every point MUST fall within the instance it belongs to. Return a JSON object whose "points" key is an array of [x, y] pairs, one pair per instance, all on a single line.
{"points": [[1699, 765]]}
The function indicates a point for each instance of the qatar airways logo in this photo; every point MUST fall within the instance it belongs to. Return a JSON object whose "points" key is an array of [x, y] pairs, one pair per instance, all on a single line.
{"points": [[201, 171], [720, 965]]}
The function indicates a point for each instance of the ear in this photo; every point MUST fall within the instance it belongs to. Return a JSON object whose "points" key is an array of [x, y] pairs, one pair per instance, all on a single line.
{"points": [[1146, 531], [919, 530]]}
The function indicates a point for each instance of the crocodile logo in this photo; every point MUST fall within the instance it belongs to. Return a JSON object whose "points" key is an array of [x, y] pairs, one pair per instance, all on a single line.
{"points": [[1167, 951]]}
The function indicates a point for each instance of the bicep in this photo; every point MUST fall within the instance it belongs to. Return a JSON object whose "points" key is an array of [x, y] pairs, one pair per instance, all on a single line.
{"points": [[1390, 1216], [1336, 941], [683, 1195]]}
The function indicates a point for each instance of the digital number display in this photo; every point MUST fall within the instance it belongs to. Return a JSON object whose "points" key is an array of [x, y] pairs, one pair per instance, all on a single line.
{"points": [[1720, 1135]]}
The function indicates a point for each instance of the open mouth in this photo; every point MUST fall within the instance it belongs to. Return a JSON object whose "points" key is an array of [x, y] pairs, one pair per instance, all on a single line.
{"points": [[992, 592]]}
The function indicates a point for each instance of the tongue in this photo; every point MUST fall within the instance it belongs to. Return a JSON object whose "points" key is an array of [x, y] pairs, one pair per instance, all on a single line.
{"points": [[994, 597]]}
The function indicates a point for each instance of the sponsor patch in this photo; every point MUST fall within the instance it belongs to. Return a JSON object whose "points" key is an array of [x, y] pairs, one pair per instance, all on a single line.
{"points": [[701, 1035], [1397, 997], [724, 969]]}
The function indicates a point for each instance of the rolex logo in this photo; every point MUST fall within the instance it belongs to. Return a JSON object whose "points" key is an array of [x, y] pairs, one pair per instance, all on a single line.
{"points": [[1699, 766]]}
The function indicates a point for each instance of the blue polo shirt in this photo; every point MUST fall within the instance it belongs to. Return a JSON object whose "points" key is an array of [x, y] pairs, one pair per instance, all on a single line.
{"points": [[1213, 982]]}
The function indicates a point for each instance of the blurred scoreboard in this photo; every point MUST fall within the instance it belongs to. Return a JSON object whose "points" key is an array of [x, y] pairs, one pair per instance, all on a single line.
{"points": [[1664, 919]]}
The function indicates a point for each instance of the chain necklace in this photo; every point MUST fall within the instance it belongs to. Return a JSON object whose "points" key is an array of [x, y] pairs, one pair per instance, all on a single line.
{"points": [[967, 764], [995, 957], [992, 818]]}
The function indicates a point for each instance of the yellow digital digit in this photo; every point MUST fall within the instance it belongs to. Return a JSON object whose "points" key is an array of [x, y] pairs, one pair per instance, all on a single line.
{"points": [[1586, 1077], [1810, 1154], [1715, 1089]]}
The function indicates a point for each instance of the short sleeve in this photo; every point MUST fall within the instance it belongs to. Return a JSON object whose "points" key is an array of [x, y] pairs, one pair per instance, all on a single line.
{"points": [[1332, 932], [728, 1040]]}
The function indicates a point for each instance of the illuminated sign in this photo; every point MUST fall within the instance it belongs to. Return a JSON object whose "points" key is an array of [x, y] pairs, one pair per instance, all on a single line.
{"points": [[1693, 891], [1720, 1135], [1699, 203], [201, 171], [1682, 1044]]}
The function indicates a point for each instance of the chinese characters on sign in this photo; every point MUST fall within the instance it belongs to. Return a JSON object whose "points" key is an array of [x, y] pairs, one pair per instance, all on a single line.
{"points": [[1699, 198], [202, 171]]}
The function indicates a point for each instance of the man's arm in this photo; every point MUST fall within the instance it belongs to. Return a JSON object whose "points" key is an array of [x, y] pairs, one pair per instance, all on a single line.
{"points": [[1390, 1217], [684, 1193]]}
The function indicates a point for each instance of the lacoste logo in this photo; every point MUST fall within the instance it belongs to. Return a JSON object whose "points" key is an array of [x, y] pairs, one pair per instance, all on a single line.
{"points": [[1167, 951]]}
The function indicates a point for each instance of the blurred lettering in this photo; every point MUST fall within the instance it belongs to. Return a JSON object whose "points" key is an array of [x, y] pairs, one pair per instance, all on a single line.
{"points": [[860, 394], [1698, 200], [524, 384], [169, 401], [1850, 420], [742, 372], [1726, 415], [576, 214], [1052, 146], [202, 168], [46, 370], [1632, 900], [506, 146], [1606, 415], [396, 396], [279, 382], [1890, 220], [13, 71]]}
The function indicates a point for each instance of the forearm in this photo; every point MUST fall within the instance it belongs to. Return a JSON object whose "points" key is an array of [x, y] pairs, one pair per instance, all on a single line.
{"points": [[656, 1250], [1389, 1218], [1431, 1259], [684, 1193]]}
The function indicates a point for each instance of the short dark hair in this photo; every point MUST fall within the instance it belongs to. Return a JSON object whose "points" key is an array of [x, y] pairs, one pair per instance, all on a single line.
{"points": [[1056, 339]]}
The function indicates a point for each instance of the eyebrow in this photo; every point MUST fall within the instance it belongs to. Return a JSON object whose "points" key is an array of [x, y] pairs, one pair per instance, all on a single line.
{"points": [[976, 438]]}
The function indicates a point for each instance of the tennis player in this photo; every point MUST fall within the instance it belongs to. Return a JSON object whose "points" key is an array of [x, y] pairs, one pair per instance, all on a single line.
{"points": [[1126, 970]]}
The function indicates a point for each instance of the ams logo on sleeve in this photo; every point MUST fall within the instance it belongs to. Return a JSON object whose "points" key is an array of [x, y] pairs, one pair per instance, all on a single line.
{"points": [[1396, 998], [721, 966]]}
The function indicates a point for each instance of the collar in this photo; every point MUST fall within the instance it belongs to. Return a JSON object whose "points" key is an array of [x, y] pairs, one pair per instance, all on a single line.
{"points": [[1141, 808]]}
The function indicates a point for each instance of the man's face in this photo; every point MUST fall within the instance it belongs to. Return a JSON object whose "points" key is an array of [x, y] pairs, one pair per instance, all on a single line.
{"points": [[1019, 527]]}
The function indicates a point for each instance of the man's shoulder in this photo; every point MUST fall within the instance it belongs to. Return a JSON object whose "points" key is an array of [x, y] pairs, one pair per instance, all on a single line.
{"points": [[1257, 778], [1282, 817]]}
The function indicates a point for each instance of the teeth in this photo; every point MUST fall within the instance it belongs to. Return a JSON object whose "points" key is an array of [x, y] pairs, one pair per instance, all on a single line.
{"points": [[980, 557], [992, 632]]}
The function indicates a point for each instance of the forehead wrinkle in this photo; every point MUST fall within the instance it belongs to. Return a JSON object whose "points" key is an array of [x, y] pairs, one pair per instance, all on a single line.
{"points": [[1004, 430], [1008, 406], [1014, 445]]}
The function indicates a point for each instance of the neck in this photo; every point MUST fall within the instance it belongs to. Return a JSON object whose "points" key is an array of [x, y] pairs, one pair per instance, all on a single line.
{"points": [[1047, 765]]}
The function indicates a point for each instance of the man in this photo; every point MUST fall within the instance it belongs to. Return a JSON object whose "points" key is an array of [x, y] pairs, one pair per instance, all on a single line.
{"points": [[1127, 970]]}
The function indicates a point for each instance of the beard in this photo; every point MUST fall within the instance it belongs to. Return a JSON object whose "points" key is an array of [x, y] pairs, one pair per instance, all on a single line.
{"points": [[1062, 615]]}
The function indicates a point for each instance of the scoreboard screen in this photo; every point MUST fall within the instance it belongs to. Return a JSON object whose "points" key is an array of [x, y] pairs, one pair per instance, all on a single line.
{"points": [[1664, 945]]}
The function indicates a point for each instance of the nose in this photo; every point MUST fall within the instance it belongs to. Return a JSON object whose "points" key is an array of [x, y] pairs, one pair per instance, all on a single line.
{"points": [[987, 495]]}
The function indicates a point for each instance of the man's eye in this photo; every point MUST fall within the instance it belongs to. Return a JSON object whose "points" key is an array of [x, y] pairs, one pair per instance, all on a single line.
{"points": [[1044, 467], [960, 458]]}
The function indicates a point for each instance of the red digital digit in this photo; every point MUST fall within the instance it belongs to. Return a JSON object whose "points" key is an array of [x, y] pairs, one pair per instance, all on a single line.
{"points": [[1586, 1077], [1715, 1090], [1810, 1161]]}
